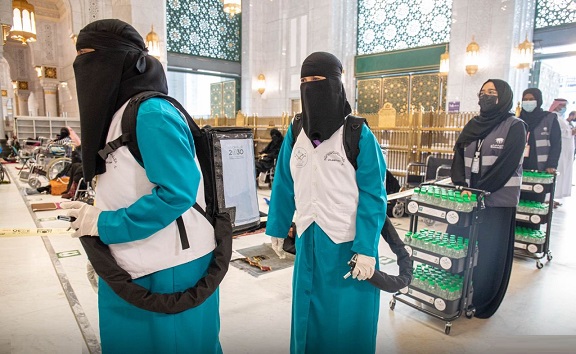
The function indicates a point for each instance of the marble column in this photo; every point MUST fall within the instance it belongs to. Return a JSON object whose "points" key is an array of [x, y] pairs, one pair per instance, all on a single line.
{"points": [[22, 102], [498, 26], [50, 89]]}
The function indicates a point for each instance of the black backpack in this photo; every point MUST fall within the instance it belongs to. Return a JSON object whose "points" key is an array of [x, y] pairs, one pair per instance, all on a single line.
{"points": [[117, 278], [352, 132]]}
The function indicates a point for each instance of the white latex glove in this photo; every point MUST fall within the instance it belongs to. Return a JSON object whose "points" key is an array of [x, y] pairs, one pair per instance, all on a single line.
{"points": [[277, 246], [364, 268], [86, 223]]}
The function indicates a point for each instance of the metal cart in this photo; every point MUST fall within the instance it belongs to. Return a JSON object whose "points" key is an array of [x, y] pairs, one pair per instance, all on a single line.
{"points": [[431, 296], [535, 189]]}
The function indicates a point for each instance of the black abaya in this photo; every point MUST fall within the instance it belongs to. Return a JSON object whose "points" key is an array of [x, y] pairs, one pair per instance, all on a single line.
{"points": [[495, 254]]}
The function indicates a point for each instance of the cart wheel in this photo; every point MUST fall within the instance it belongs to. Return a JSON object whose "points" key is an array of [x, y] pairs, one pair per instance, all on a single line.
{"points": [[549, 256], [448, 327], [428, 222], [392, 304], [398, 210], [34, 182], [539, 265], [470, 313]]}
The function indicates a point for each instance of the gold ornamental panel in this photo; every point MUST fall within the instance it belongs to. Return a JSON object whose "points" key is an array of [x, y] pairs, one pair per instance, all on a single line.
{"points": [[425, 92], [395, 90], [369, 95]]}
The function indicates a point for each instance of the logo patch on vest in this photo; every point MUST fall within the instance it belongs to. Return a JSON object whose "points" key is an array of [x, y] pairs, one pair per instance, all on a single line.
{"points": [[499, 144], [112, 160], [545, 131], [301, 157], [335, 157]]}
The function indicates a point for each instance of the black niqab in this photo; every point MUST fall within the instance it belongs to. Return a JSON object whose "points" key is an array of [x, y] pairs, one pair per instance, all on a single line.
{"points": [[106, 78], [324, 104], [64, 133], [535, 117], [480, 126]]}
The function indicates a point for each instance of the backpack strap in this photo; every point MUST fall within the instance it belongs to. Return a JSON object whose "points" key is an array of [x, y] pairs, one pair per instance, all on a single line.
{"points": [[129, 139], [296, 127], [352, 132]]}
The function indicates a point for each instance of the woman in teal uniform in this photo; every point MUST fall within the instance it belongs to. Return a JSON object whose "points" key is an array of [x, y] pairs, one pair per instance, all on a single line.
{"points": [[339, 212], [136, 207]]}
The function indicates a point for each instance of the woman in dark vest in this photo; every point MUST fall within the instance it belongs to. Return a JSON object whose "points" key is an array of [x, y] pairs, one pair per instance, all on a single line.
{"points": [[544, 136], [488, 156]]}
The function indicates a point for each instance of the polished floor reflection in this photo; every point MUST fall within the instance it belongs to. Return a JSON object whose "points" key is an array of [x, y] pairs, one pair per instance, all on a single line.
{"points": [[47, 304]]}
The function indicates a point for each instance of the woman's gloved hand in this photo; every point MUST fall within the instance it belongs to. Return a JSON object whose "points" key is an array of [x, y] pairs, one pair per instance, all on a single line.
{"points": [[278, 246], [364, 268], [86, 223]]}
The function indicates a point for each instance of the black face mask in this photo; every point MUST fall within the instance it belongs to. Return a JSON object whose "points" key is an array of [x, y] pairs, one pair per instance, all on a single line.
{"points": [[487, 103]]}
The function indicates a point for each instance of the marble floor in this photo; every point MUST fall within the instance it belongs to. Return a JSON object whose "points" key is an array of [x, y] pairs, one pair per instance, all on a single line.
{"points": [[47, 304]]}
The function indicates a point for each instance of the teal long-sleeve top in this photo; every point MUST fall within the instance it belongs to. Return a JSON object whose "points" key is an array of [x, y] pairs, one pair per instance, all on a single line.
{"points": [[372, 199], [167, 147]]}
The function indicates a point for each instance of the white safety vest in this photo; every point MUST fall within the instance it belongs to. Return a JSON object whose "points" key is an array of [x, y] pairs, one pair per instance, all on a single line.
{"points": [[325, 187], [123, 183]]}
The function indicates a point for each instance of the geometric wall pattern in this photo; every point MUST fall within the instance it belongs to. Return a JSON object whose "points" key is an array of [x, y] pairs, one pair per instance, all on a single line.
{"points": [[369, 95], [229, 98], [421, 90], [223, 98], [396, 90], [555, 12], [385, 25], [202, 28], [425, 90]]}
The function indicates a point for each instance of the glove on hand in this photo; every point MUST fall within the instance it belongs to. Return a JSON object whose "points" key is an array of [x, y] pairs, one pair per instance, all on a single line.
{"points": [[86, 223], [364, 268], [278, 246]]}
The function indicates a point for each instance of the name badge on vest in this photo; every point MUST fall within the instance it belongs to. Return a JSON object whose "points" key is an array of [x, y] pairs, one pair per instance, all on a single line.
{"points": [[527, 147], [475, 168], [526, 150]]}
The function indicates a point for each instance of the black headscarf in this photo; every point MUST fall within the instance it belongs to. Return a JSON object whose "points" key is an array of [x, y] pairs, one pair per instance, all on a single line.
{"points": [[273, 147], [64, 133], [535, 117], [118, 69], [480, 126], [324, 104]]}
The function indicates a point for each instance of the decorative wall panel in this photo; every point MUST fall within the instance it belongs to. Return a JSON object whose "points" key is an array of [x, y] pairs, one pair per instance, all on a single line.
{"points": [[555, 12], [223, 99], [425, 90], [421, 90], [202, 28], [369, 95], [229, 98], [216, 104], [396, 90], [385, 25]]}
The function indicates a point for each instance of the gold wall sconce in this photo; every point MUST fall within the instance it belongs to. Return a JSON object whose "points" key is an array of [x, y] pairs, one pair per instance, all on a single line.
{"points": [[444, 62], [232, 7], [153, 43], [261, 84], [472, 57], [524, 54]]}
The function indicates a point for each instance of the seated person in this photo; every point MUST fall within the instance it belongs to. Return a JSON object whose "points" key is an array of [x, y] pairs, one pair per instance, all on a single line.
{"points": [[270, 153], [76, 173]]}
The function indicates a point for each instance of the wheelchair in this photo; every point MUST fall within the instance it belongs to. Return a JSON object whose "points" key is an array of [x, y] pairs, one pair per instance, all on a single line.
{"points": [[85, 192], [265, 179], [44, 162]]}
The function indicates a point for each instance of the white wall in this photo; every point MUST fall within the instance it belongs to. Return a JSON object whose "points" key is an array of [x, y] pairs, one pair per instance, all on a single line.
{"points": [[278, 35], [497, 26]]}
